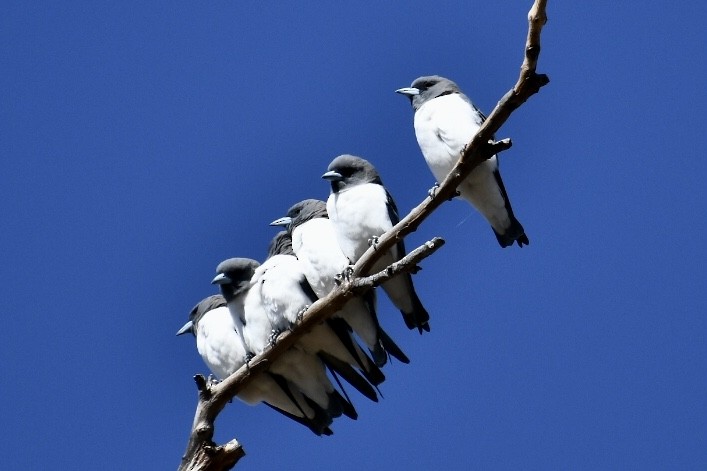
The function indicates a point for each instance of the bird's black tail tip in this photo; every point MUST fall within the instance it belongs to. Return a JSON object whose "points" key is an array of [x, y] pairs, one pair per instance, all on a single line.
{"points": [[392, 348], [422, 325], [522, 240], [514, 234]]}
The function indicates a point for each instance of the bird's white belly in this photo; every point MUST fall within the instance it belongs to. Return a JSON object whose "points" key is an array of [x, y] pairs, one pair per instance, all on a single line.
{"points": [[443, 127], [361, 214]]}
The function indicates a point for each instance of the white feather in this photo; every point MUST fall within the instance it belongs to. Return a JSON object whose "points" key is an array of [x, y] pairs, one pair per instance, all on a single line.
{"points": [[359, 213], [273, 302], [316, 247], [443, 127]]}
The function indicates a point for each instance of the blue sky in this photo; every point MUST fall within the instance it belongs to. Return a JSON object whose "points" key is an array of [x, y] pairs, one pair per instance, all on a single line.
{"points": [[144, 142]]}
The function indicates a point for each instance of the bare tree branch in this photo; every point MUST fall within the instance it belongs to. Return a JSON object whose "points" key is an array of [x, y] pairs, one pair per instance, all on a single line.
{"points": [[406, 264], [202, 453]]}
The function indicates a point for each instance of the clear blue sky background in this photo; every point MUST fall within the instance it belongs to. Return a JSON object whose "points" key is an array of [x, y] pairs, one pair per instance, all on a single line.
{"points": [[144, 142]]}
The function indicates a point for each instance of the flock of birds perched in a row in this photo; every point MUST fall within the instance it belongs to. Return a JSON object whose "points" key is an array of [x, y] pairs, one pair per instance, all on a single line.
{"points": [[306, 260]]}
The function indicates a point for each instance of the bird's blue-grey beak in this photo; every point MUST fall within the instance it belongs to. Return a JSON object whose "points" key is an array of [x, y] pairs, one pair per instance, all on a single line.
{"points": [[284, 221], [332, 176], [186, 328], [409, 91], [221, 279]]}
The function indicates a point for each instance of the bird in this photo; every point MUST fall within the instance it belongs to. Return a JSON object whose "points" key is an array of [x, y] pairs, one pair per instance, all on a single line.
{"points": [[361, 210], [314, 243], [286, 293], [258, 325], [445, 122], [223, 352]]}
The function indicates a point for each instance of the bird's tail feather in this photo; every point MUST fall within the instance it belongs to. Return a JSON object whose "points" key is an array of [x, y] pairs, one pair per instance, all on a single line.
{"points": [[369, 369], [391, 347], [343, 405], [401, 292], [418, 316], [514, 233], [343, 369], [318, 427], [318, 420]]}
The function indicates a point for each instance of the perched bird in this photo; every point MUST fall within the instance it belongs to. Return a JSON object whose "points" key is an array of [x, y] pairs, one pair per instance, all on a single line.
{"points": [[258, 324], [222, 350], [445, 122], [321, 259], [285, 293], [361, 210]]}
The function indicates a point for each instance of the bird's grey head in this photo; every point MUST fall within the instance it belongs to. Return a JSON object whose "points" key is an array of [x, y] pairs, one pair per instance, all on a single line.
{"points": [[346, 171], [302, 212], [198, 311], [281, 244], [233, 276], [427, 88]]}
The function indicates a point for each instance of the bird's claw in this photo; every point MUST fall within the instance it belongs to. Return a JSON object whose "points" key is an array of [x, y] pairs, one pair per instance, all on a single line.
{"points": [[433, 191], [373, 242], [345, 275], [212, 380], [301, 312], [246, 359], [272, 339]]}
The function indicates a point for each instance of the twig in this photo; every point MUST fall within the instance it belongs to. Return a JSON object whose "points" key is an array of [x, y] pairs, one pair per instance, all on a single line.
{"points": [[406, 264]]}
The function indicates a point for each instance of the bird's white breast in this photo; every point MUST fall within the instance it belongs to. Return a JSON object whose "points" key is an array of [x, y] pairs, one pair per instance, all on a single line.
{"points": [[274, 300], [218, 342], [317, 249], [443, 126], [358, 214]]}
